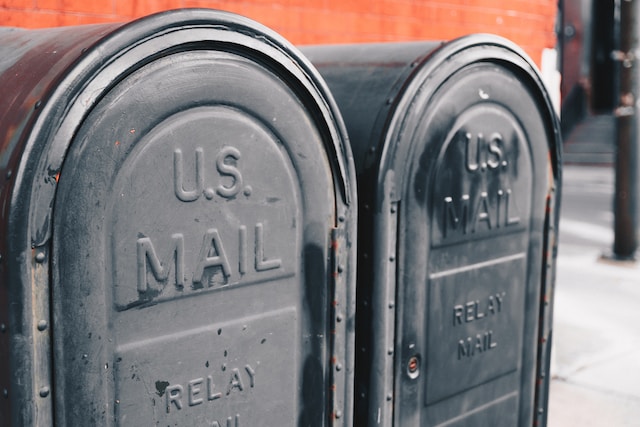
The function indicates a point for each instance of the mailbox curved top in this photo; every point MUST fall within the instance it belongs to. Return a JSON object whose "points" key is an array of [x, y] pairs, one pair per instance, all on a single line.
{"points": [[58, 75], [401, 77]]}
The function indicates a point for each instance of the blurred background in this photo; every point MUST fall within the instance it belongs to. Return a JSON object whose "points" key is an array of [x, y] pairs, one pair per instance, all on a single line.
{"points": [[582, 50]]}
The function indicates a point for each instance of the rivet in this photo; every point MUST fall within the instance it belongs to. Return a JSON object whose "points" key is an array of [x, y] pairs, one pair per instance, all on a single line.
{"points": [[44, 392], [389, 396], [338, 413], [9, 173], [338, 366], [37, 104], [393, 209], [3, 328], [390, 351], [5, 393], [340, 268], [392, 258], [540, 410], [391, 304], [341, 218], [40, 257], [339, 318], [42, 325]]}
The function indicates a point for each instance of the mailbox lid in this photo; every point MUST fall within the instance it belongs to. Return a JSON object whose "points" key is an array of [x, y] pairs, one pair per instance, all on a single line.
{"points": [[200, 230]]}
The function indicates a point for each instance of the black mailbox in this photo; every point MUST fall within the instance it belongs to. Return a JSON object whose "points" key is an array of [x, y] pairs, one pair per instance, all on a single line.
{"points": [[457, 154], [177, 217]]}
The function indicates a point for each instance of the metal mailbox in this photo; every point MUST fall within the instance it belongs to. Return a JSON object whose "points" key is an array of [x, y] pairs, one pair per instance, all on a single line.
{"points": [[177, 228], [457, 155]]}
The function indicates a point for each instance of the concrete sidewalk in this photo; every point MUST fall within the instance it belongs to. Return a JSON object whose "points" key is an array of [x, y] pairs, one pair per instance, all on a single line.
{"points": [[596, 342], [592, 142], [596, 371]]}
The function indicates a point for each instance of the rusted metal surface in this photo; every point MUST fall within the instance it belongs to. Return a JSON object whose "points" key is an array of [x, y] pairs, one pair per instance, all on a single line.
{"points": [[33, 63]]}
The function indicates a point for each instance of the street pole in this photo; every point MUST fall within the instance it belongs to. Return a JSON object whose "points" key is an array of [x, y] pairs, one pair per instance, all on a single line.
{"points": [[626, 172]]}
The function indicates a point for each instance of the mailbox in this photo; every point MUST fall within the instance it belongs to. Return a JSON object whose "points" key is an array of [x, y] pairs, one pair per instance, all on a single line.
{"points": [[457, 153], [177, 228]]}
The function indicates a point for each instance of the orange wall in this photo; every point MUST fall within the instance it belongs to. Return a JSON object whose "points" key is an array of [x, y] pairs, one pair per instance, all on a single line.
{"points": [[529, 23]]}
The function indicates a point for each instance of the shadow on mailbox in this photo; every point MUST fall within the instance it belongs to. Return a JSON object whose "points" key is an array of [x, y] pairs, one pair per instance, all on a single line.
{"points": [[457, 154], [176, 228]]}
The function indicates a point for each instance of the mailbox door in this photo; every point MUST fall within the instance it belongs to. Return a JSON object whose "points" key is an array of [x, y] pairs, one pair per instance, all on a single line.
{"points": [[200, 231], [472, 215]]}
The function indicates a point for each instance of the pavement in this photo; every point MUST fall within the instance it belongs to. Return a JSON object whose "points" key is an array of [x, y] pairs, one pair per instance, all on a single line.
{"points": [[596, 343]]}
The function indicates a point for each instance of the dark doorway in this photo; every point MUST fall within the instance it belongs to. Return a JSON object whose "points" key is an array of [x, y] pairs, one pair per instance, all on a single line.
{"points": [[603, 67]]}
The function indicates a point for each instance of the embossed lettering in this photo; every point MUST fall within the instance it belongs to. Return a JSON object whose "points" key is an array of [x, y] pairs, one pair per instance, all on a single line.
{"points": [[178, 176], [494, 210], [480, 155], [482, 211], [242, 249], [230, 422], [211, 394], [456, 217], [225, 163], [472, 346], [511, 220], [235, 382], [262, 263], [472, 165], [477, 310], [494, 159], [212, 254], [196, 394], [160, 270], [230, 178], [174, 395], [252, 375]]}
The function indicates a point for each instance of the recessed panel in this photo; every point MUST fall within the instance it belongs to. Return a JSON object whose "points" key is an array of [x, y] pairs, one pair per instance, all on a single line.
{"points": [[476, 289], [502, 412], [206, 202], [483, 178], [476, 315], [212, 374]]}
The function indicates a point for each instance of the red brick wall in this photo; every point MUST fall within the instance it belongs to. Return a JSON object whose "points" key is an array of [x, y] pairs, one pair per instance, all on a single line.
{"points": [[529, 23]]}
